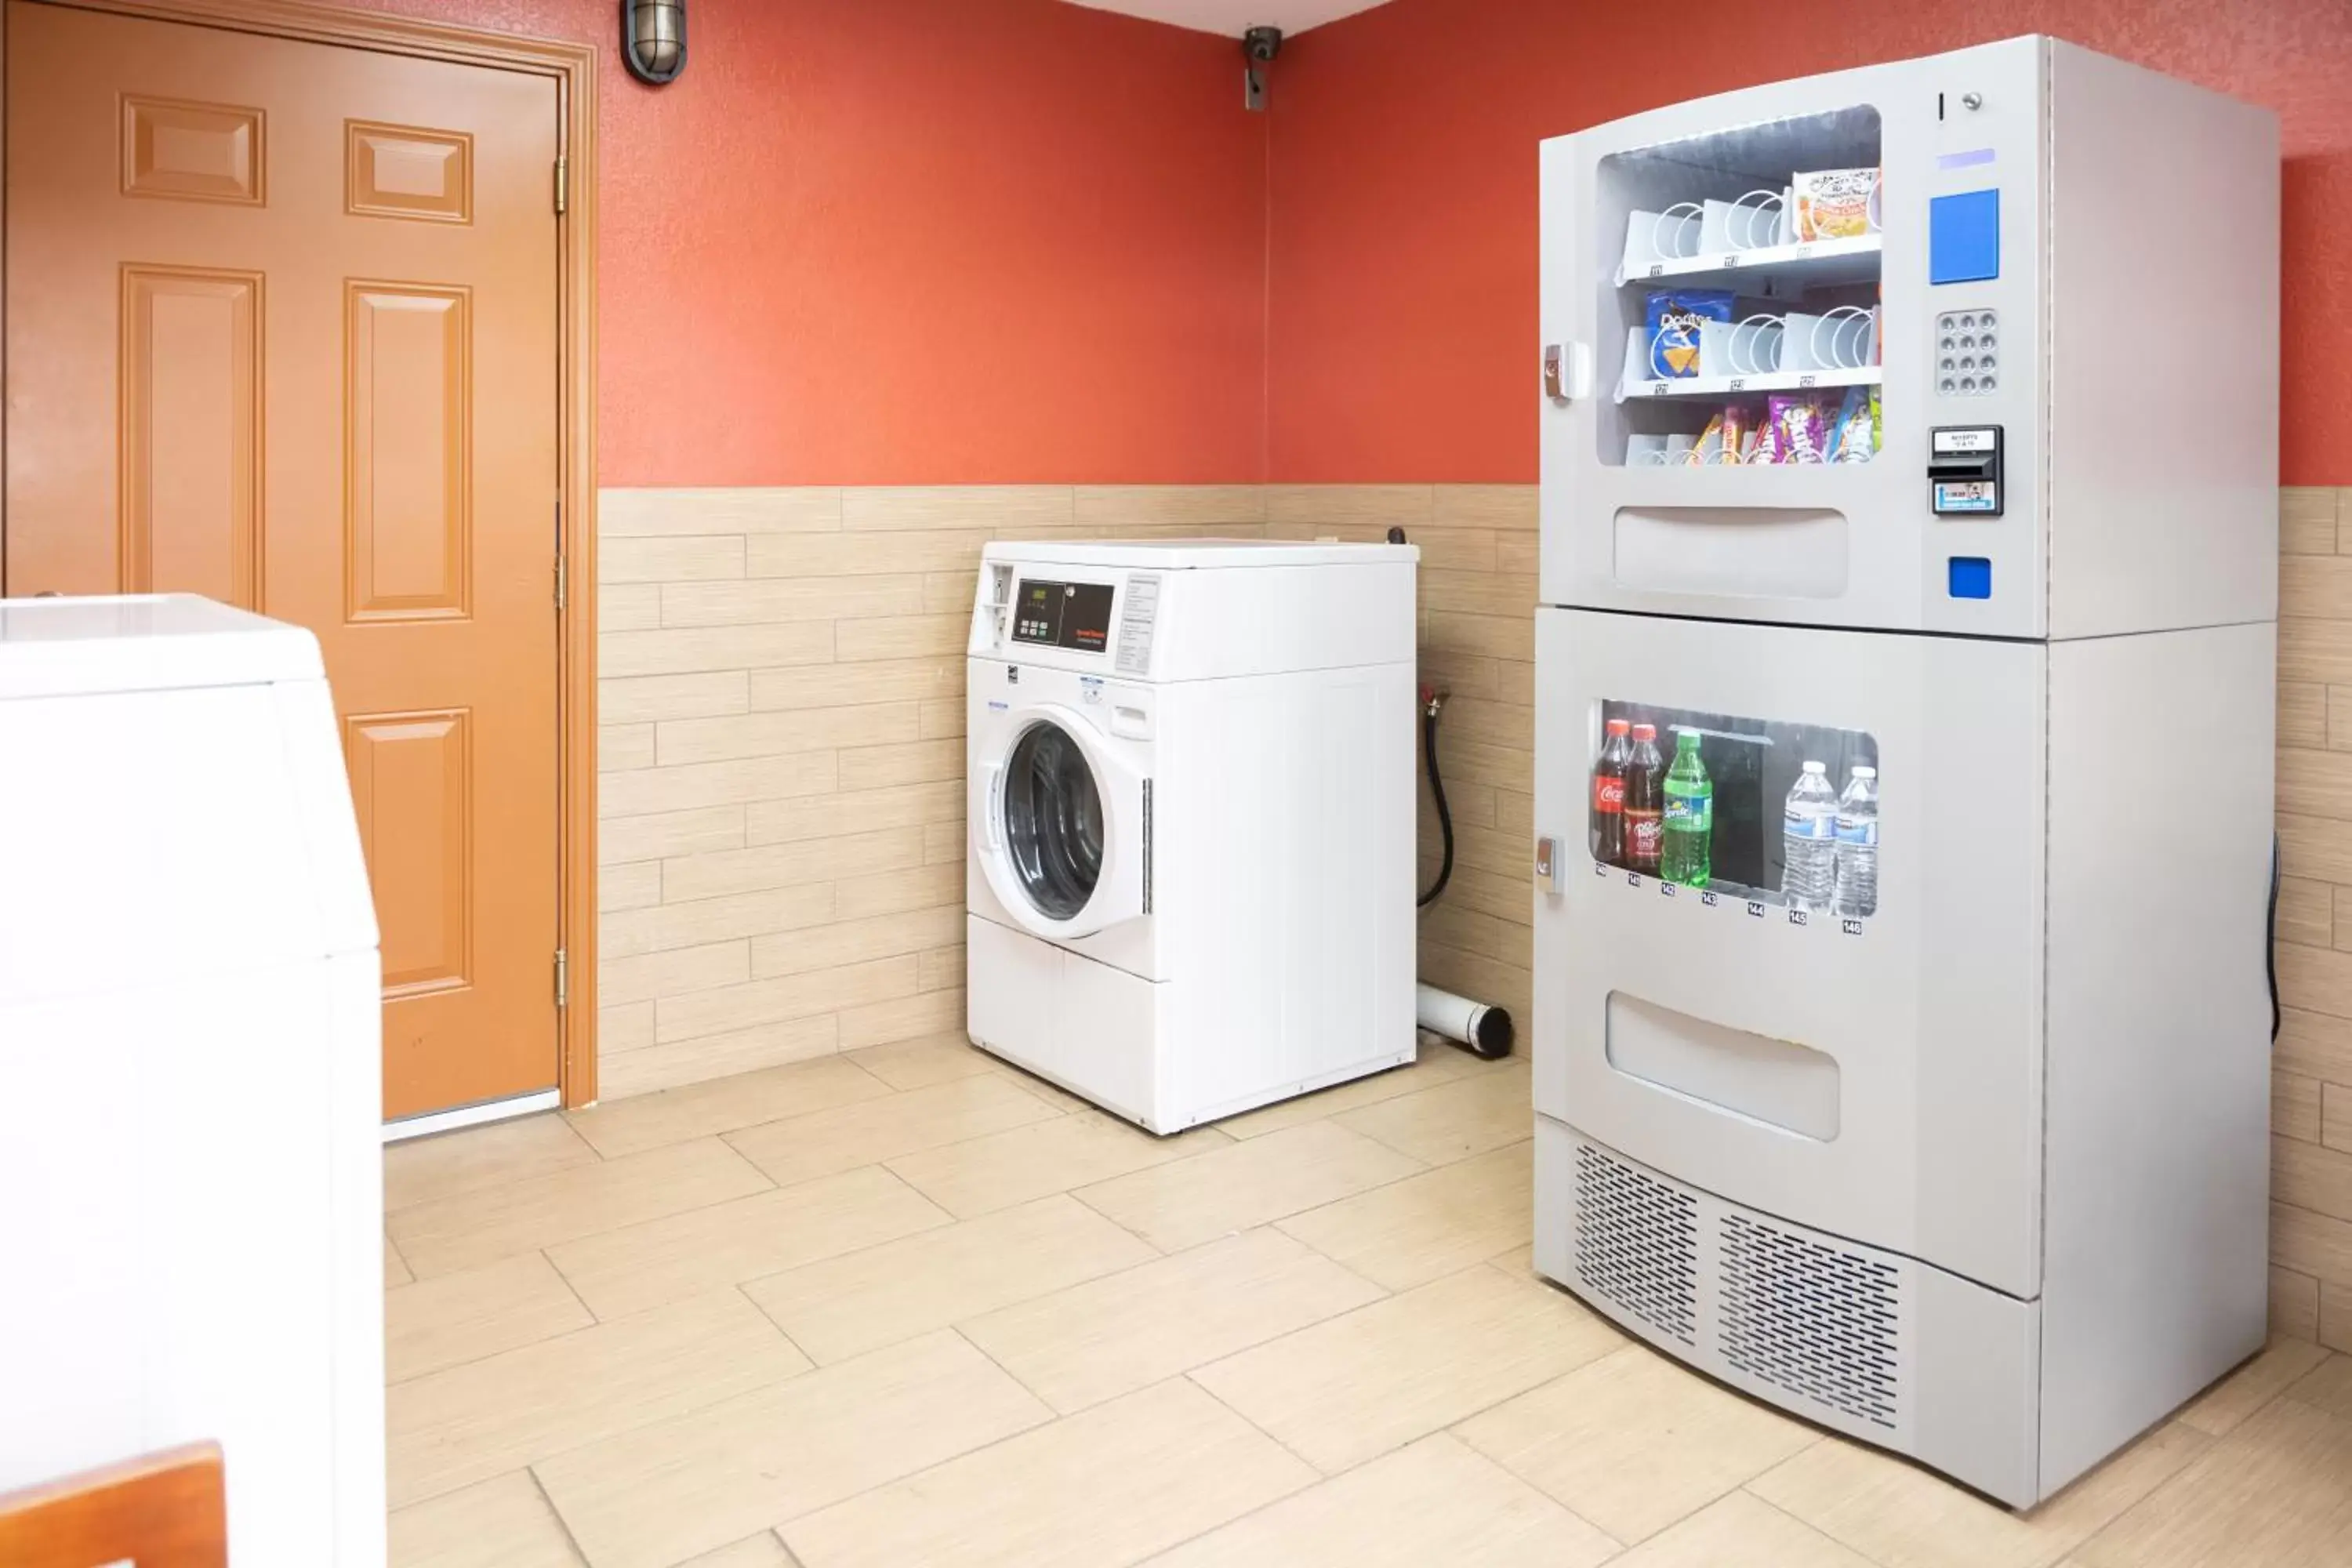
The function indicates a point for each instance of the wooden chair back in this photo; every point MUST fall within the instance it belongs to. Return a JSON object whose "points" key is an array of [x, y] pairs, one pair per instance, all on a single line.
{"points": [[165, 1510]]}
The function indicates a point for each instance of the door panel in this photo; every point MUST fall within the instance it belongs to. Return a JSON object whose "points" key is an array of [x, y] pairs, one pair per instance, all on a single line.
{"points": [[408, 170], [1878, 1079], [282, 330], [192, 151], [192, 422], [406, 445], [411, 788]]}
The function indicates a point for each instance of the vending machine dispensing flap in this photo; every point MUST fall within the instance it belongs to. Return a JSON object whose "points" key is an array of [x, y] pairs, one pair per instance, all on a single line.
{"points": [[1964, 470]]}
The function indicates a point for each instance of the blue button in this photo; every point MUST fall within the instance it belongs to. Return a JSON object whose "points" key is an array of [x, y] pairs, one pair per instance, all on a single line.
{"points": [[1964, 237], [1971, 577]]}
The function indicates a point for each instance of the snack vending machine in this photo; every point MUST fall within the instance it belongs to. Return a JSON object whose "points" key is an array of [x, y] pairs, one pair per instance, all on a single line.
{"points": [[1903, 745]]}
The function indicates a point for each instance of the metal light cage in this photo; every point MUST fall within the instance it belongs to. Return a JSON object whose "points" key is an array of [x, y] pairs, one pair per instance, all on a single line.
{"points": [[652, 38]]}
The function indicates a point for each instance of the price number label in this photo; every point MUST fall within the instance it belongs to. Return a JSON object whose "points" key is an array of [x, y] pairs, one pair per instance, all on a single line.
{"points": [[1797, 917], [1708, 901], [1665, 890], [1755, 909], [1850, 928]]}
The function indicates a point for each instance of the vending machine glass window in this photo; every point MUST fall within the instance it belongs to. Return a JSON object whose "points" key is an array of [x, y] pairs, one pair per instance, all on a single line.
{"points": [[1743, 311], [1757, 791]]}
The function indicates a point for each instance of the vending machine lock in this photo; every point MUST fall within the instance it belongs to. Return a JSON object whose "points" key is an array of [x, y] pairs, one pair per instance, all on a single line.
{"points": [[1964, 470]]}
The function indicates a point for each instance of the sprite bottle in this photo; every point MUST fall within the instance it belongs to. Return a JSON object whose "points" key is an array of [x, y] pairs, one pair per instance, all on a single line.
{"points": [[1687, 856]]}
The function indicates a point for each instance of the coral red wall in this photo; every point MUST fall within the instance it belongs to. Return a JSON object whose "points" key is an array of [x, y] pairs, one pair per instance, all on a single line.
{"points": [[922, 241], [1403, 272]]}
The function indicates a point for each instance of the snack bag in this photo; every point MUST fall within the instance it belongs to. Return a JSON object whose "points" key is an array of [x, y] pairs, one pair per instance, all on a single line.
{"points": [[1873, 422], [1794, 430], [1674, 317], [1854, 439], [1738, 432], [1708, 448], [1833, 204]]}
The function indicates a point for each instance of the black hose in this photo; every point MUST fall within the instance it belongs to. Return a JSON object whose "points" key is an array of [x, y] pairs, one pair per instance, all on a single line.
{"points": [[1432, 700], [1437, 792], [2270, 940]]}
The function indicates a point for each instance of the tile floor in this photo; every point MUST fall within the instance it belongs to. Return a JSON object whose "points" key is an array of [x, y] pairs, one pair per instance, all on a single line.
{"points": [[909, 1307]]}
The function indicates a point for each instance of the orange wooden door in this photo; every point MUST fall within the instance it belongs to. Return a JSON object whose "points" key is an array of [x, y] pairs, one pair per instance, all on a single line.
{"points": [[283, 329]]}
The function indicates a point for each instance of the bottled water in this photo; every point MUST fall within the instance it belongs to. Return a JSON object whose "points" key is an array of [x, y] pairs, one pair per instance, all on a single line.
{"points": [[1857, 844], [1808, 841]]}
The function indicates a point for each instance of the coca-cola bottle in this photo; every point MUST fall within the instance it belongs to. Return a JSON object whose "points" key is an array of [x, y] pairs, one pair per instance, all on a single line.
{"points": [[1608, 795], [1644, 809]]}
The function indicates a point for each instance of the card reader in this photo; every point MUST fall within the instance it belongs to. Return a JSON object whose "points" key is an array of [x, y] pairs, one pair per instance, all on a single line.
{"points": [[1964, 470]]}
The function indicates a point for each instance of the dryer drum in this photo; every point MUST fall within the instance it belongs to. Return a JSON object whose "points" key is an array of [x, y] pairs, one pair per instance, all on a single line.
{"points": [[1052, 821]]}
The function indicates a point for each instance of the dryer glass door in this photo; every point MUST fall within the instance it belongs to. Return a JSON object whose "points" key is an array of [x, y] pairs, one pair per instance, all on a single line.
{"points": [[1052, 821]]}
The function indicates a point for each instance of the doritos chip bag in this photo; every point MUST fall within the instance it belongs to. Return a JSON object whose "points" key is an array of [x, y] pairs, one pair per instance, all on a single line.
{"points": [[1674, 316]]}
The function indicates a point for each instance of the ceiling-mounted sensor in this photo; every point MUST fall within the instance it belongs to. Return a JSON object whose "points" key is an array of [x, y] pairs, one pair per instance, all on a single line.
{"points": [[1259, 46]]}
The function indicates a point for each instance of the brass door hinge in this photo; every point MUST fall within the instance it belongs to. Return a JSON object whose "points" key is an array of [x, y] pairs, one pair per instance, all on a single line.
{"points": [[561, 592], [562, 185], [563, 979]]}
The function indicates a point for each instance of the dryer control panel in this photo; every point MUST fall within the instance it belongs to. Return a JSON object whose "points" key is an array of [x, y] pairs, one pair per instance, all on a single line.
{"points": [[1110, 616], [1063, 615], [1201, 609]]}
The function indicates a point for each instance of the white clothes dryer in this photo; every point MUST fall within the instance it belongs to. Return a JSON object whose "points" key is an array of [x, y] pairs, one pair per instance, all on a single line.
{"points": [[1191, 775]]}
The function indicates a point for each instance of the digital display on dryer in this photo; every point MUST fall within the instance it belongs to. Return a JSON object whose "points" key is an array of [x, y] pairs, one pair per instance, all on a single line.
{"points": [[1064, 614]]}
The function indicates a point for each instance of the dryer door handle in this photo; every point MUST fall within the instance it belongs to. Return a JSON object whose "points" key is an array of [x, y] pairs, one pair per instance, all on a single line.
{"points": [[994, 796]]}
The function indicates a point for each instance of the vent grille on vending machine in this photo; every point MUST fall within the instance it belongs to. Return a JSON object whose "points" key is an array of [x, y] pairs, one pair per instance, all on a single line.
{"points": [[1816, 1320], [1637, 1243]]}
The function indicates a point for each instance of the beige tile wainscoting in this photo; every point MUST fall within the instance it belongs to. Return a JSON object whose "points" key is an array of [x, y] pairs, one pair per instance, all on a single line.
{"points": [[782, 794], [2311, 1080]]}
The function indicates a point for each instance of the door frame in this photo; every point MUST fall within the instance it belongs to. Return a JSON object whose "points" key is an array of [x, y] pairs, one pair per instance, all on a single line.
{"points": [[573, 66]]}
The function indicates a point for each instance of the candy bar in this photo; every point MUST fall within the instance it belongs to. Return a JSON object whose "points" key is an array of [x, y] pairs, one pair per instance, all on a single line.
{"points": [[1738, 432]]}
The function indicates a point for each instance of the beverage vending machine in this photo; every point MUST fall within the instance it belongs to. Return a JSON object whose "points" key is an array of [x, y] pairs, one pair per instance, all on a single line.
{"points": [[1903, 744]]}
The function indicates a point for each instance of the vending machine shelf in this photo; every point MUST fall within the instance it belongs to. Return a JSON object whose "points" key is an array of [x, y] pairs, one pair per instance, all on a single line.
{"points": [[1732, 898], [1768, 271], [1633, 388]]}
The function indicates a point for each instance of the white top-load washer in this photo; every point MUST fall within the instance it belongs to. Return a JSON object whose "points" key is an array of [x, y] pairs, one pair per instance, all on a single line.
{"points": [[191, 1069], [1191, 769]]}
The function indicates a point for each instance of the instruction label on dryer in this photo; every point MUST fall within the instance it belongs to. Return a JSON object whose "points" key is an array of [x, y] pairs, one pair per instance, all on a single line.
{"points": [[1138, 617]]}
